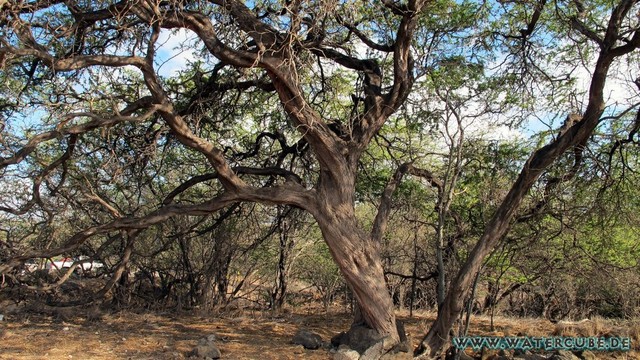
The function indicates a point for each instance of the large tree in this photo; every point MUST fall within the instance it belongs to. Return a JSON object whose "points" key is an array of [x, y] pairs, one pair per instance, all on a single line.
{"points": [[93, 66]]}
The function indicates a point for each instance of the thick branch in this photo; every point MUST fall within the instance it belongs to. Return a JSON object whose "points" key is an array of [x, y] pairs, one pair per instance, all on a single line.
{"points": [[73, 63], [268, 171], [264, 35]]}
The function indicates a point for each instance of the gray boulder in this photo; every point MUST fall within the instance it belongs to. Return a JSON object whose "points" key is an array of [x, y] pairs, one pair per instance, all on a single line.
{"points": [[370, 345], [346, 354], [307, 339], [339, 339]]}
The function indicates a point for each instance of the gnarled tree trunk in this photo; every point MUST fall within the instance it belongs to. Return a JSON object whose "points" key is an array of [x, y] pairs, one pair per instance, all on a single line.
{"points": [[356, 254]]}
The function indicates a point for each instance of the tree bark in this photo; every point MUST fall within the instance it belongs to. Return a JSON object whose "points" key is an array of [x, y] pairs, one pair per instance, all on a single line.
{"points": [[362, 270], [356, 254], [286, 244]]}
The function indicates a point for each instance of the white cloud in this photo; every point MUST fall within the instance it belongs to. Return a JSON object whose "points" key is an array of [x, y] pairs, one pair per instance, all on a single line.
{"points": [[618, 88], [176, 48]]}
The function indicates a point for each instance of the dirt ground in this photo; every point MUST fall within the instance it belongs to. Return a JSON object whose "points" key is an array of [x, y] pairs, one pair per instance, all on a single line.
{"points": [[241, 335]]}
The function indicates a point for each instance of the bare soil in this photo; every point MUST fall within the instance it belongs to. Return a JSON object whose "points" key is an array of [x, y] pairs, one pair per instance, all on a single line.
{"points": [[241, 335]]}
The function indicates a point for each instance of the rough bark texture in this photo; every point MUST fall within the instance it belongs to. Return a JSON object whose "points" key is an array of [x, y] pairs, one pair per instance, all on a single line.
{"points": [[356, 254]]}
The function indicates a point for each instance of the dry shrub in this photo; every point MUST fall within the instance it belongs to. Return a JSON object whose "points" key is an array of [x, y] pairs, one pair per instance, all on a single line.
{"points": [[564, 329], [595, 327], [634, 332]]}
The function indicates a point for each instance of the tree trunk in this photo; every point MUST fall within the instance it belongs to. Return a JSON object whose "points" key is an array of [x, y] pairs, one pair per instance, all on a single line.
{"points": [[358, 259], [279, 290], [441, 284]]}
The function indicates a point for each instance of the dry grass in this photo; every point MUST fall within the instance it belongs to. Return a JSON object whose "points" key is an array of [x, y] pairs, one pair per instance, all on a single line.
{"points": [[242, 335]]}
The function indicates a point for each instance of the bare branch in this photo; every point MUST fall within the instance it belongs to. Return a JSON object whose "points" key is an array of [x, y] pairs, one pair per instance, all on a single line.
{"points": [[125, 223], [96, 122], [267, 171], [384, 209]]}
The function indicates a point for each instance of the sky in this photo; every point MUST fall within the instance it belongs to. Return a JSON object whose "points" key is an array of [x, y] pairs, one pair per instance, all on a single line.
{"points": [[171, 57]]}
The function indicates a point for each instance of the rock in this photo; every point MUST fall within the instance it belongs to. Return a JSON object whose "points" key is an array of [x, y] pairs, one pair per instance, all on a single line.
{"points": [[400, 355], [1, 317], [339, 339], [206, 349], [498, 357], [464, 356], [8, 307], [488, 354], [346, 354], [563, 355], [518, 352], [529, 356], [504, 353], [307, 339], [371, 345], [373, 352], [501, 355], [361, 338], [402, 350], [209, 339], [404, 347], [209, 351]]}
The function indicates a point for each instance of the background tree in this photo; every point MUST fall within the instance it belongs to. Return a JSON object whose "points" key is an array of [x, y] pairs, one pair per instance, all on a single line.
{"points": [[615, 37]]}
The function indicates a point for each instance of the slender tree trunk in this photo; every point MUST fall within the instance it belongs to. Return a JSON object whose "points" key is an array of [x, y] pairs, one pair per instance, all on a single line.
{"points": [[440, 261], [279, 292], [414, 271]]}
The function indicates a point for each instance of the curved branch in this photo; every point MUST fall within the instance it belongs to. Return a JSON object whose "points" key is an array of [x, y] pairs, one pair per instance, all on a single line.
{"points": [[370, 43], [268, 171], [96, 122], [203, 27], [584, 30], [75, 62], [37, 181]]}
